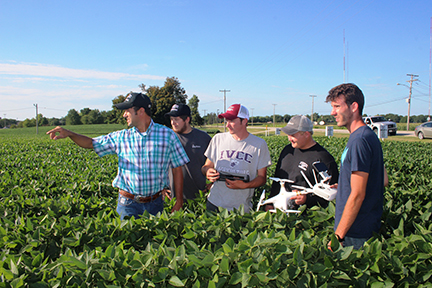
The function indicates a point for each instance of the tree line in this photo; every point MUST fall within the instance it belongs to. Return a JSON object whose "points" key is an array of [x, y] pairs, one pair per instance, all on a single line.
{"points": [[162, 99], [212, 118]]}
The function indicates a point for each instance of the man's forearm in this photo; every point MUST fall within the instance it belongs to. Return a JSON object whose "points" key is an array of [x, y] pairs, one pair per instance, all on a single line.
{"points": [[257, 182], [61, 133], [204, 170], [353, 204], [352, 207], [178, 182], [81, 140]]}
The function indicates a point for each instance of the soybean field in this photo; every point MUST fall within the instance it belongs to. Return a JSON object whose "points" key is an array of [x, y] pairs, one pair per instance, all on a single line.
{"points": [[59, 228]]}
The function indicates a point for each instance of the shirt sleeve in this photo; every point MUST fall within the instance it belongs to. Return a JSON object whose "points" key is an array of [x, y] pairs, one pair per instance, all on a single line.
{"points": [[361, 156], [211, 151], [275, 188], [264, 159], [105, 145]]}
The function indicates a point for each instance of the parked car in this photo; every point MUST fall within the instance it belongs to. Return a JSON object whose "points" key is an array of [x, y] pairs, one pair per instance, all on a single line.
{"points": [[379, 121], [424, 130]]}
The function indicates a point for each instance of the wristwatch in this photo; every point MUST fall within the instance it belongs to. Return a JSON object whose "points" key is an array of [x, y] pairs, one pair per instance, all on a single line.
{"points": [[339, 238]]}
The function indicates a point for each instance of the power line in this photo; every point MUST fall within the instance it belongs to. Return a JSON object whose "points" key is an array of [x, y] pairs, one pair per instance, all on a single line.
{"points": [[10, 110], [53, 109], [386, 102]]}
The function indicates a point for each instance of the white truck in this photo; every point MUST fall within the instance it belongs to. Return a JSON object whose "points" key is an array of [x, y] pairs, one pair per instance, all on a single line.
{"points": [[375, 122]]}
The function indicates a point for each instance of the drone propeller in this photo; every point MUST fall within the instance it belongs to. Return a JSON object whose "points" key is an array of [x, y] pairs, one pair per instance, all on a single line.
{"points": [[281, 180], [261, 200], [285, 211]]}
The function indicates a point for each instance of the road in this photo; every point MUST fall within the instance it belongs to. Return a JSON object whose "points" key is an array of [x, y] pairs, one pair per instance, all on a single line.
{"points": [[260, 129]]}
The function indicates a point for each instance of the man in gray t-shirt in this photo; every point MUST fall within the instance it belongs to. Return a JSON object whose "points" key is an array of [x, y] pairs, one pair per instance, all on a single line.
{"points": [[195, 143], [235, 153]]}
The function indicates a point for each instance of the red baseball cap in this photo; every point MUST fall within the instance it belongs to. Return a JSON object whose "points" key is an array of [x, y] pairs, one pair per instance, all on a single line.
{"points": [[235, 111]]}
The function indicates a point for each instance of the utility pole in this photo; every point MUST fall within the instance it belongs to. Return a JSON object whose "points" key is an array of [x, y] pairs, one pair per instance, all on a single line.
{"points": [[409, 97], [224, 91], [252, 115], [4, 121], [430, 69], [204, 116], [313, 96], [274, 118], [37, 128]]}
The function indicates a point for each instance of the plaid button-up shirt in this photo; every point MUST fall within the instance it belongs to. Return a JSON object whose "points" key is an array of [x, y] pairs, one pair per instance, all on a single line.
{"points": [[144, 159]]}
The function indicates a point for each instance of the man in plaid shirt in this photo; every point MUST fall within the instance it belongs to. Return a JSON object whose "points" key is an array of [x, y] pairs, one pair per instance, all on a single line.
{"points": [[145, 154]]}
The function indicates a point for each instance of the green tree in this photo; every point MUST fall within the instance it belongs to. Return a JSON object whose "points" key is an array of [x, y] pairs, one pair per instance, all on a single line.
{"points": [[196, 119], [418, 118], [73, 118], [116, 115], [286, 118], [278, 118], [42, 121], [211, 118], [85, 111], [28, 123], [95, 117], [328, 119], [163, 98], [393, 117], [54, 122]]}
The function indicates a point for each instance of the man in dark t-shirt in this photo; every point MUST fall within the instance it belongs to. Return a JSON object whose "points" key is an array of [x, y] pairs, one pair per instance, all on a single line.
{"points": [[360, 196], [195, 143], [296, 160]]}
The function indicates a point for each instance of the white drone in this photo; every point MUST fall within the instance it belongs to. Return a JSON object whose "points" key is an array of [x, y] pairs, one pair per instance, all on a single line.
{"points": [[321, 189]]}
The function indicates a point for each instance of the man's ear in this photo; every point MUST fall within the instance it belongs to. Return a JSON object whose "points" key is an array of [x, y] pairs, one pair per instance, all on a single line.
{"points": [[141, 111], [354, 107]]}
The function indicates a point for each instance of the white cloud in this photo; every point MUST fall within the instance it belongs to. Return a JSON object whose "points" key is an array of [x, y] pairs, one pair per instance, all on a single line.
{"points": [[60, 89], [44, 70]]}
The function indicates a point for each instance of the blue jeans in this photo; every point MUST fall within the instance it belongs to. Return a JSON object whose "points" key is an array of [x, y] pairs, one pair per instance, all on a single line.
{"points": [[128, 207], [356, 242]]}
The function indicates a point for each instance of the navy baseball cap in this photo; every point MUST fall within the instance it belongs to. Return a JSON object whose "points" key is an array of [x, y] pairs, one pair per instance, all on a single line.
{"points": [[179, 110], [135, 100]]}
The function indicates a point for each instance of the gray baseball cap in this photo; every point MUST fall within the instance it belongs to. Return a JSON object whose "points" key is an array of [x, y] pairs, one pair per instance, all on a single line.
{"points": [[298, 123]]}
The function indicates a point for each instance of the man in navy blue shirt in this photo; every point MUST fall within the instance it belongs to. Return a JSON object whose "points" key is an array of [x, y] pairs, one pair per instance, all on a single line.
{"points": [[359, 201]]}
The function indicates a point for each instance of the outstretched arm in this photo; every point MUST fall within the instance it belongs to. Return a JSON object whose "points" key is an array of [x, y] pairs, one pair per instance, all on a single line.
{"points": [[80, 140]]}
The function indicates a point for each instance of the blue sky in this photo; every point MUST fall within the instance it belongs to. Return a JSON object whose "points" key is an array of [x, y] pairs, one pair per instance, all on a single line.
{"points": [[77, 54]]}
